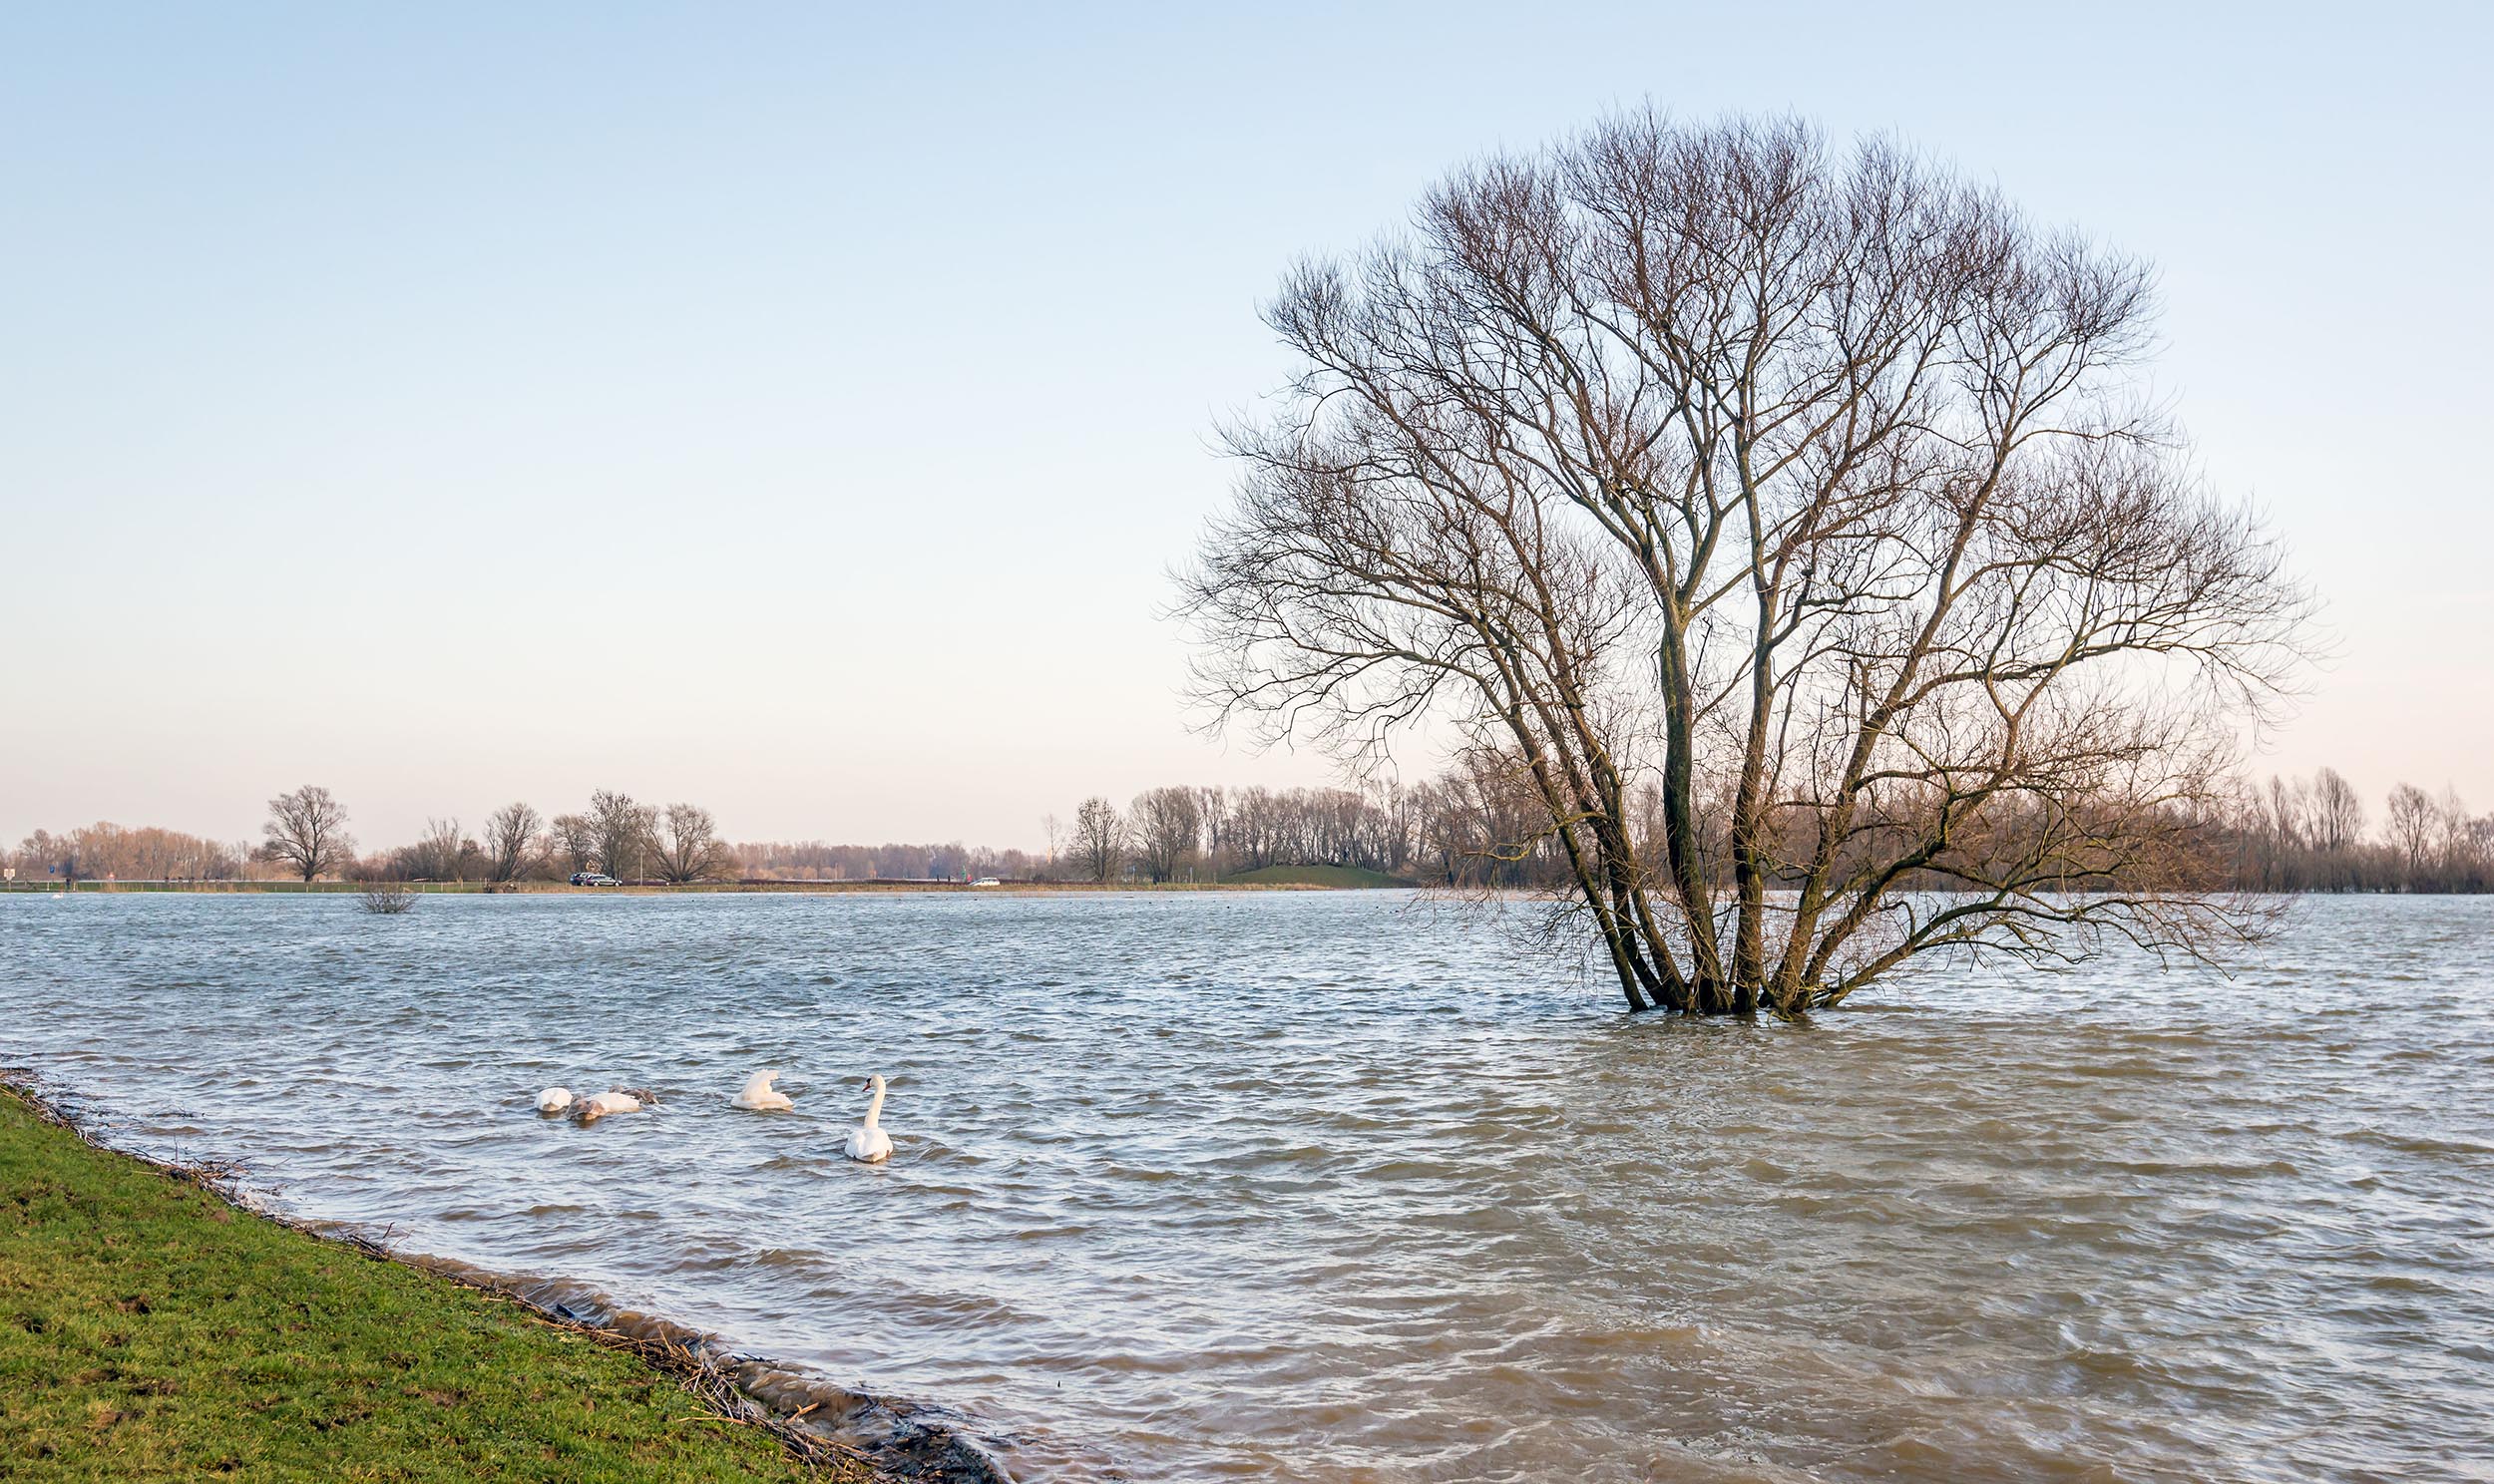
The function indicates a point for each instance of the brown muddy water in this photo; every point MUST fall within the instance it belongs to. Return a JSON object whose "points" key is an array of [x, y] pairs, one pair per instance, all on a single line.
{"points": [[1329, 1187]]}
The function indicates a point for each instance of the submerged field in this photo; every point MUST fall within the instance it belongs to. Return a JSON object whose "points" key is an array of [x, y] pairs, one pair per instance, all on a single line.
{"points": [[1329, 1186], [1268, 878], [148, 1331]]}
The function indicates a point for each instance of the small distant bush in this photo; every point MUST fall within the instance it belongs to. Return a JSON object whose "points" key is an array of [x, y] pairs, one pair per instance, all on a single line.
{"points": [[388, 897]]}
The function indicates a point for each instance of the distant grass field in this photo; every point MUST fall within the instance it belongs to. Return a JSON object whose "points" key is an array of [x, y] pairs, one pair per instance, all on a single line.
{"points": [[1312, 876], [150, 1330]]}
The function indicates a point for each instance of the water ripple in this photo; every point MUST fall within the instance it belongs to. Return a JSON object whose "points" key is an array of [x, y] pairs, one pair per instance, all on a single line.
{"points": [[1325, 1187]]}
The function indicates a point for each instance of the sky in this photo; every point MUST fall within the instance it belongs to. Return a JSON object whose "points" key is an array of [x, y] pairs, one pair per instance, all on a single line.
{"points": [[797, 409]]}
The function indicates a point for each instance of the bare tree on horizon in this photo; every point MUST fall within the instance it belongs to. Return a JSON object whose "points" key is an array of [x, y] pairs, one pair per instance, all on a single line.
{"points": [[624, 830], [1165, 824], [2412, 824], [307, 832], [511, 840], [1098, 846], [2337, 812], [576, 837], [687, 845], [442, 852]]}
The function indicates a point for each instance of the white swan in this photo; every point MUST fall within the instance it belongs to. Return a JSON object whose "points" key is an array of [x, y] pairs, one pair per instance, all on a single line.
{"points": [[868, 1141], [758, 1094], [553, 1100], [598, 1105]]}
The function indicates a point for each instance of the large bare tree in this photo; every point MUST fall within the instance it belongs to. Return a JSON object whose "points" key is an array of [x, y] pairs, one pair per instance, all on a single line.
{"points": [[306, 833], [686, 845], [1165, 823], [1785, 520], [624, 829], [442, 852], [511, 840], [2413, 825], [2337, 812], [1098, 846], [575, 838]]}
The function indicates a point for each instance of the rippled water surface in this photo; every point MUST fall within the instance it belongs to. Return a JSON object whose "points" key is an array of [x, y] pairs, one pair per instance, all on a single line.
{"points": [[1329, 1187]]}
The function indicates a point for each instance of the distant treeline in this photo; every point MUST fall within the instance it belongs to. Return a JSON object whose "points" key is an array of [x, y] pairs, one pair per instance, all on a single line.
{"points": [[1187, 833], [2311, 835], [143, 854], [1470, 828], [1475, 828], [1440, 831], [306, 838]]}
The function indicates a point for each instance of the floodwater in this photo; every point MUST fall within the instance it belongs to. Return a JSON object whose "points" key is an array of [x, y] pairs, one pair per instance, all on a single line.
{"points": [[1332, 1187]]}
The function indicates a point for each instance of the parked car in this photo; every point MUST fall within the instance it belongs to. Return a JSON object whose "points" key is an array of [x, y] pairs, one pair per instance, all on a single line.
{"points": [[594, 879]]}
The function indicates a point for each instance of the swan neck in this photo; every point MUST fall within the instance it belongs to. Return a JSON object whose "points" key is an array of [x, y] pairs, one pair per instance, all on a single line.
{"points": [[874, 1108]]}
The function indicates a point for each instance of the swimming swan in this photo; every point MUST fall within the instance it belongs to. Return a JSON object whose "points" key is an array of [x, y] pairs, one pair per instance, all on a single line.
{"points": [[553, 1100], [868, 1141], [598, 1105], [758, 1094]]}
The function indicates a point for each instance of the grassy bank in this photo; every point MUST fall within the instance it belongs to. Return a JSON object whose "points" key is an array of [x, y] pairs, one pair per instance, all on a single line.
{"points": [[149, 1330], [1314, 878]]}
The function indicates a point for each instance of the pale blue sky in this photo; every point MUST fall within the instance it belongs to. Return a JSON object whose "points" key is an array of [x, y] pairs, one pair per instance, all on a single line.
{"points": [[794, 408]]}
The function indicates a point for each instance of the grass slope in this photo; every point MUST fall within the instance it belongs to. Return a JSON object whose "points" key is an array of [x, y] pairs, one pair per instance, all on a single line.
{"points": [[1313, 875], [150, 1330]]}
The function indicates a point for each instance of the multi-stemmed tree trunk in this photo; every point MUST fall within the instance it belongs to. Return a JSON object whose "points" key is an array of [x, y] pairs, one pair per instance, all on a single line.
{"points": [[1791, 524], [686, 845]]}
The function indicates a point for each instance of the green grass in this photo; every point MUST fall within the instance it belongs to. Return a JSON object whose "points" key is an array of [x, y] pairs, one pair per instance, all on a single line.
{"points": [[1312, 876], [150, 1330]]}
